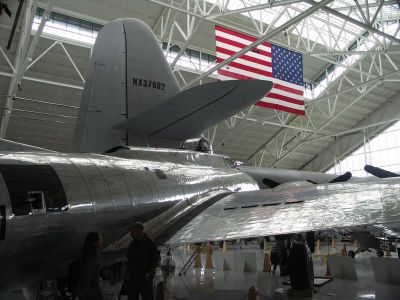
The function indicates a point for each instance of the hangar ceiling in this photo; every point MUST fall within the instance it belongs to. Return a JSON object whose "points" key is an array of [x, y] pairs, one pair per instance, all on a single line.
{"points": [[351, 57]]}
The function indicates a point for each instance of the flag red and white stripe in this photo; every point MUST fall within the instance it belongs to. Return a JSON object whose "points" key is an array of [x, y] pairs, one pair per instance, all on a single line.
{"points": [[258, 64]]}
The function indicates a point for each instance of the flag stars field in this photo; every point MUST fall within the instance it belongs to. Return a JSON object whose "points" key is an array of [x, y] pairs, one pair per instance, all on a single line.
{"points": [[265, 62]]}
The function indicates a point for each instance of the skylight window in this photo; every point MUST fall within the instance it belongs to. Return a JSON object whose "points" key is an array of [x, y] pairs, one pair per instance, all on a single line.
{"points": [[382, 152], [67, 28], [369, 44], [74, 30], [315, 27]]}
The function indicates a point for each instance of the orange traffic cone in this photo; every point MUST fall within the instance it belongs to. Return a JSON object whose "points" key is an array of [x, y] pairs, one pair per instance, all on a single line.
{"points": [[224, 246], [252, 293], [267, 263], [197, 261], [318, 247], [344, 250], [208, 249]]}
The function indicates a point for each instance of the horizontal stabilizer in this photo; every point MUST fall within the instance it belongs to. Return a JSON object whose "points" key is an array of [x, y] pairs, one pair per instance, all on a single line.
{"points": [[190, 112]]}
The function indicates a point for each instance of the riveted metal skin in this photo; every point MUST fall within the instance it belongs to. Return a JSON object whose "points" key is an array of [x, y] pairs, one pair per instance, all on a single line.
{"points": [[103, 193]]}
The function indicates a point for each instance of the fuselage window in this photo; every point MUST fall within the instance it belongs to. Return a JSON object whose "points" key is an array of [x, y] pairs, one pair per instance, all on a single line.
{"points": [[34, 188]]}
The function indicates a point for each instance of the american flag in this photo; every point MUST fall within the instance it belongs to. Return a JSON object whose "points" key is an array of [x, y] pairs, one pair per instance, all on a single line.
{"points": [[266, 62]]}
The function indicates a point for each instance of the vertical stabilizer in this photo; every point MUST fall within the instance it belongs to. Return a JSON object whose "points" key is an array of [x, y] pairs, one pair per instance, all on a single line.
{"points": [[128, 73]]}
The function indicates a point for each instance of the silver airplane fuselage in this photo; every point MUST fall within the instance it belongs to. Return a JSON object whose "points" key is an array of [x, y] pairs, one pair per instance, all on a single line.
{"points": [[50, 201]]}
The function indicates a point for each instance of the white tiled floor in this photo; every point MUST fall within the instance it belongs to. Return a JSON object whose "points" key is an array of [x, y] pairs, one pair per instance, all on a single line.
{"points": [[213, 284]]}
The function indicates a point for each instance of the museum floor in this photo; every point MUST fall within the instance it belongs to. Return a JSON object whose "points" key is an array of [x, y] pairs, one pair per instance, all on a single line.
{"points": [[202, 283]]}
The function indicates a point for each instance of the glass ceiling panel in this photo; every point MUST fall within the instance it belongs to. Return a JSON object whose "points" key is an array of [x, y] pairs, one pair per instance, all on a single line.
{"points": [[312, 29], [318, 25]]}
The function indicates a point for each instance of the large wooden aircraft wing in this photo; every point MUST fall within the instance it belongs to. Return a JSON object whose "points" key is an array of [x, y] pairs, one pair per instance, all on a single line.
{"points": [[295, 210]]}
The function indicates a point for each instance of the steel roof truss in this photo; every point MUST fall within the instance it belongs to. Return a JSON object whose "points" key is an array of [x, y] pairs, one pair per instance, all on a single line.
{"points": [[274, 32], [7, 59]]}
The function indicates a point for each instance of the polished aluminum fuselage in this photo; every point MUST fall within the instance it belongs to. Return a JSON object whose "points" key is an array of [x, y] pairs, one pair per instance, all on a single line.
{"points": [[105, 194]]}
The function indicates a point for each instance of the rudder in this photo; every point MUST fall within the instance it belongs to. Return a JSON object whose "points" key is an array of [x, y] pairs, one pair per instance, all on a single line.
{"points": [[128, 73]]}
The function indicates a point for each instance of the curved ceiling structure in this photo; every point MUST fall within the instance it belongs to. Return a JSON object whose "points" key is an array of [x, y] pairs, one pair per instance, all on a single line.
{"points": [[351, 57]]}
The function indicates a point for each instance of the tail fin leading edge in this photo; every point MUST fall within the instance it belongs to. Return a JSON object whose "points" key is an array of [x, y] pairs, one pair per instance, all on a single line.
{"points": [[128, 73]]}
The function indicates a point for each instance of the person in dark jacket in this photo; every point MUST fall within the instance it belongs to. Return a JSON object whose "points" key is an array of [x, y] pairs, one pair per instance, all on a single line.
{"points": [[275, 257], [283, 264], [89, 279], [142, 261]]}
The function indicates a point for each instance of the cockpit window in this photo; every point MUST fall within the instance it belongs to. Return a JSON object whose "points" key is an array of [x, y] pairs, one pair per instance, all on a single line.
{"points": [[228, 162], [34, 188]]}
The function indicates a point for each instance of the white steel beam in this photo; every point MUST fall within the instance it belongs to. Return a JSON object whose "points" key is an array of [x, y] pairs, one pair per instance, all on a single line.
{"points": [[334, 62], [356, 22], [45, 102], [361, 12], [7, 60], [29, 55], [269, 4], [381, 2], [261, 122], [345, 144], [159, 19], [324, 125], [362, 5], [186, 44], [42, 54], [222, 22], [20, 54], [355, 129], [341, 53], [51, 82], [360, 85], [72, 62], [335, 94]]}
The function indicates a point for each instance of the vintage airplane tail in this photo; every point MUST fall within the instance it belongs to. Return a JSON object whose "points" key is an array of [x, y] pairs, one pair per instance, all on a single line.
{"points": [[131, 96], [127, 74]]}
